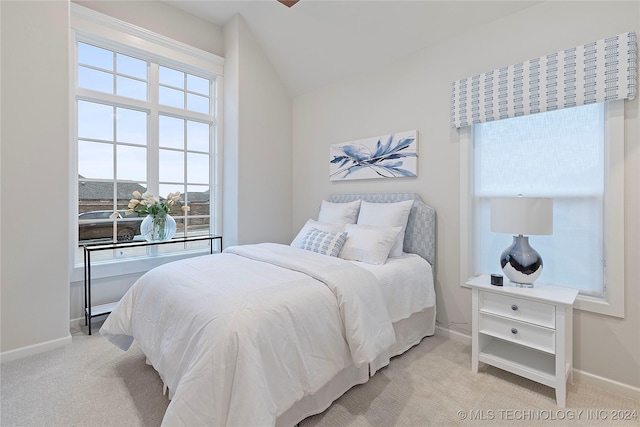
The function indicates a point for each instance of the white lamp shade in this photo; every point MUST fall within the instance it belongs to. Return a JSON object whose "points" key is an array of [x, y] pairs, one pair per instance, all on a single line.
{"points": [[522, 215]]}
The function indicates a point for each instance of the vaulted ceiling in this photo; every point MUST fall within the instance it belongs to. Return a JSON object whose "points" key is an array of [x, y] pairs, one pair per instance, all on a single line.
{"points": [[316, 42]]}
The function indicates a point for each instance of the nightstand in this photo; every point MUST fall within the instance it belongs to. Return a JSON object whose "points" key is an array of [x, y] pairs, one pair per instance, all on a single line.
{"points": [[526, 331]]}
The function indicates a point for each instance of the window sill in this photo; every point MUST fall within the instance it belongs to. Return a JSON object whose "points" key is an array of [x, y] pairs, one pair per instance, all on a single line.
{"points": [[606, 306]]}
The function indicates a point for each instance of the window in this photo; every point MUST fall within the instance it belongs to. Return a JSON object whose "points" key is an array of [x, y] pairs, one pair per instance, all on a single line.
{"points": [[146, 120], [572, 155]]}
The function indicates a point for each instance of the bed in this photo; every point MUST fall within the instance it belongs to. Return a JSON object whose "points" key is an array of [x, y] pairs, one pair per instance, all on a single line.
{"points": [[270, 334]]}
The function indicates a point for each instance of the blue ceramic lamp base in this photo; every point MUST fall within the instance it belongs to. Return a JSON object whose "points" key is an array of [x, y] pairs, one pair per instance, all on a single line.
{"points": [[521, 263]]}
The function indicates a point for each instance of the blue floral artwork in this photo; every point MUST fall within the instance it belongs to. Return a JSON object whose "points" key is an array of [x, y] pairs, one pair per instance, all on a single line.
{"points": [[388, 156]]}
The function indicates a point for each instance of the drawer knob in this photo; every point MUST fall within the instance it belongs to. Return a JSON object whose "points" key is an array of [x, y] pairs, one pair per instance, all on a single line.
{"points": [[514, 331], [514, 307]]}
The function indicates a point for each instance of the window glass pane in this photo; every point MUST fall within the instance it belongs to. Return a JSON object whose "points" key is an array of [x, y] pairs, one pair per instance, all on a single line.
{"points": [[165, 189], [171, 97], [198, 225], [131, 163], [198, 84], [128, 227], [197, 168], [171, 77], [197, 103], [95, 160], [131, 66], [131, 88], [560, 152], [171, 166], [197, 198], [94, 198], [197, 136], [179, 225], [95, 121], [95, 80], [171, 132], [97, 226], [198, 193], [95, 56], [131, 126], [557, 154]]}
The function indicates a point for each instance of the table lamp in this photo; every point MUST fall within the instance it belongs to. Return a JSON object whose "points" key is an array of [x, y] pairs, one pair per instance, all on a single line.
{"points": [[521, 216]]}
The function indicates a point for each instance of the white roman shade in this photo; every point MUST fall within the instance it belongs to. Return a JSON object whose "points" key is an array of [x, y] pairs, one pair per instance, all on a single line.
{"points": [[604, 70]]}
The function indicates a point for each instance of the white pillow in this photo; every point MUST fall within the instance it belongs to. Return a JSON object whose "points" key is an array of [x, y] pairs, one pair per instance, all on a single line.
{"points": [[312, 223], [368, 243], [387, 215], [339, 213], [323, 242]]}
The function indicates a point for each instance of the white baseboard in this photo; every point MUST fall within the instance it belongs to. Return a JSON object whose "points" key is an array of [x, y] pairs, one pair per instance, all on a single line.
{"points": [[77, 322], [453, 335], [578, 375], [607, 384], [30, 350]]}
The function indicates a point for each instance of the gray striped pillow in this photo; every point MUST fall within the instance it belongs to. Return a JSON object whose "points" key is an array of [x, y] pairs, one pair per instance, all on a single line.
{"points": [[323, 242]]}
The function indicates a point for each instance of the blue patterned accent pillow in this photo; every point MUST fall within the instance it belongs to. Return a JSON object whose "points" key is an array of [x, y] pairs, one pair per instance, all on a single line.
{"points": [[323, 242]]}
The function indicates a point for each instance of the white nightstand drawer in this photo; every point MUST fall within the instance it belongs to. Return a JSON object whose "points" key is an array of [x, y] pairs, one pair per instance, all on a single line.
{"points": [[517, 308], [538, 337]]}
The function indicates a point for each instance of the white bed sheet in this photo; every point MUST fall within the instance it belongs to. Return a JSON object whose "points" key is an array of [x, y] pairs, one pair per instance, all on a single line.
{"points": [[406, 283]]}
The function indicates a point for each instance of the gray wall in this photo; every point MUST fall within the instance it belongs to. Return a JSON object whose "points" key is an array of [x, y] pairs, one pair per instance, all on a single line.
{"points": [[35, 174], [414, 93]]}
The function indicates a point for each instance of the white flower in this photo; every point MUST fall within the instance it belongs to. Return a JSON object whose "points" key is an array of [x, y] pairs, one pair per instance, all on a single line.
{"points": [[115, 215], [172, 198], [186, 208], [148, 199], [147, 204]]}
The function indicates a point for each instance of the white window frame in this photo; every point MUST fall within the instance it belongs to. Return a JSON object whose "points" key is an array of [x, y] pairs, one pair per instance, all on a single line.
{"points": [[88, 25], [613, 301]]}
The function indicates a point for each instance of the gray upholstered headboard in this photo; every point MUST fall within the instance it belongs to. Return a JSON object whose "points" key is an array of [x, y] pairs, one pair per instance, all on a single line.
{"points": [[420, 237]]}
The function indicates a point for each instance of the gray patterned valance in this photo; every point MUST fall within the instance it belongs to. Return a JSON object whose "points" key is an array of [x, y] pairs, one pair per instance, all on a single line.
{"points": [[605, 70]]}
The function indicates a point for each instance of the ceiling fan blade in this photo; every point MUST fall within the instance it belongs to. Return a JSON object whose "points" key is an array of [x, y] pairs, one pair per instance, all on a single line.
{"points": [[288, 3]]}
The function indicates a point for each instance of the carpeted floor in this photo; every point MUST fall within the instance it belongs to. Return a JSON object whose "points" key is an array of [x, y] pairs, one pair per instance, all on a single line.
{"points": [[92, 383]]}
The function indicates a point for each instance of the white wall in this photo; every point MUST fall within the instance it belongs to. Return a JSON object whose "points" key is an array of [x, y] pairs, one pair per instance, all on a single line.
{"points": [[34, 184], [162, 18], [257, 143], [414, 93]]}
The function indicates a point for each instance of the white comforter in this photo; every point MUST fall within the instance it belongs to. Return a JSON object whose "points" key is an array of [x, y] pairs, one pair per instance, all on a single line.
{"points": [[239, 337]]}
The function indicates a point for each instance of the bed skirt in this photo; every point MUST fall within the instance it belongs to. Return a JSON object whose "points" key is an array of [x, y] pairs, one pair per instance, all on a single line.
{"points": [[409, 332]]}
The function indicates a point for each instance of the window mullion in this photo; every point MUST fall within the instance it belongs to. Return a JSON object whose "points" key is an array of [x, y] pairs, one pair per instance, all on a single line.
{"points": [[83, 94], [114, 73], [153, 155], [115, 158]]}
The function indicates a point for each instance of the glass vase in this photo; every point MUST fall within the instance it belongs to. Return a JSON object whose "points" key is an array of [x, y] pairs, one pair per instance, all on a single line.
{"points": [[158, 228]]}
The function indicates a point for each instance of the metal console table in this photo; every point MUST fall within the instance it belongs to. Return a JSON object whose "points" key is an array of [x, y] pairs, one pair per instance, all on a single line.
{"points": [[102, 309]]}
